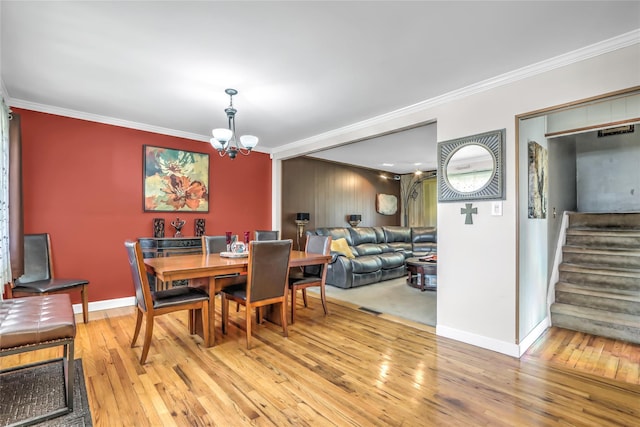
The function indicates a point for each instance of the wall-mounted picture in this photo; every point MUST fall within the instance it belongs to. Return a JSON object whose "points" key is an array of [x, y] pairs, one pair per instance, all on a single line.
{"points": [[175, 180], [386, 204], [538, 181]]}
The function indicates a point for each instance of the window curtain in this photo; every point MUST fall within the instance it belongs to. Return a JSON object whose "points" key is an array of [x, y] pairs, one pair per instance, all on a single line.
{"points": [[16, 217], [419, 201], [5, 258], [11, 218]]}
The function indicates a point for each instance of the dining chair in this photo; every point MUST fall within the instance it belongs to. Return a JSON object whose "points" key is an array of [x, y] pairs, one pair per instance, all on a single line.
{"points": [[38, 277], [312, 275], [156, 303], [267, 283], [263, 235], [214, 244]]}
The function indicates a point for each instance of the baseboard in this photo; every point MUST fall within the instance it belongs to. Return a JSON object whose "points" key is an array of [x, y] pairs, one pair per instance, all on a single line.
{"points": [[106, 304], [534, 335], [510, 349]]}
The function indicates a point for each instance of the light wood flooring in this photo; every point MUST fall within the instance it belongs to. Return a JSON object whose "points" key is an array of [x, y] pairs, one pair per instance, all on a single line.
{"points": [[350, 368]]}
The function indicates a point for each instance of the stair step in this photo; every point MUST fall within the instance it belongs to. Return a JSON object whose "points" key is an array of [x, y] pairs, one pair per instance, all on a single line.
{"points": [[596, 322], [603, 238], [605, 220], [599, 278], [601, 257], [617, 301]]}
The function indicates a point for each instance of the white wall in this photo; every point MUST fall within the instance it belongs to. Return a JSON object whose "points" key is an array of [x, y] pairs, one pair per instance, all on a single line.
{"points": [[477, 279], [533, 273], [600, 190]]}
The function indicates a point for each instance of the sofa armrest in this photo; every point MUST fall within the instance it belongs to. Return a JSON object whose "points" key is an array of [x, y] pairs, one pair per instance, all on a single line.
{"points": [[340, 271]]}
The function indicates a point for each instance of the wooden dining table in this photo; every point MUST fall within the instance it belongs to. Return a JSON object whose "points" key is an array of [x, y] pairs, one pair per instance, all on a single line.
{"points": [[212, 266]]}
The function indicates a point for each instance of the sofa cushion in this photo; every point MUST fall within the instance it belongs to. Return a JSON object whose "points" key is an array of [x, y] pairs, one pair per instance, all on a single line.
{"points": [[336, 233], [391, 260], [424, 234], [424, 240], [361, 235], [397, 234], [368, 249], [366, 264], [379, 234], [340, 245]]}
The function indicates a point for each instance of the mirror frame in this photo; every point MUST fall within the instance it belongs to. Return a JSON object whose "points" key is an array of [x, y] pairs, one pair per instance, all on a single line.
{"points": [[494, 189]]}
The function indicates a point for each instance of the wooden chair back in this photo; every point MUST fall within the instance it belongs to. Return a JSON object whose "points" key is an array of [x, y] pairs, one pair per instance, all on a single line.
{"points": [[268, 269], [139, 276]]}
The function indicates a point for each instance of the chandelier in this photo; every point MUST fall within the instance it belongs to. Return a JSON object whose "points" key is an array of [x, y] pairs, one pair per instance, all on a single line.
{"points": [[225, 141]]}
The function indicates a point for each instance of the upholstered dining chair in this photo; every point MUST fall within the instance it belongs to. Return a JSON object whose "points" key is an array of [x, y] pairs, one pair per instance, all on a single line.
{"points": [[312, 275], [157, 303], [267, 283], [262, 235], [38, 277], [214, 244]]}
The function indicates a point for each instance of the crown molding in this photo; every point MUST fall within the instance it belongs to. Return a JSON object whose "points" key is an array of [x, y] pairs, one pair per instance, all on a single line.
{"points": [[333, 138], [42, 108], [336, 136]]}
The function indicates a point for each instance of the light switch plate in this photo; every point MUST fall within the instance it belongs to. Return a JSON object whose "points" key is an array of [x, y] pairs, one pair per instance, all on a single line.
{"points": [[496, 208]]}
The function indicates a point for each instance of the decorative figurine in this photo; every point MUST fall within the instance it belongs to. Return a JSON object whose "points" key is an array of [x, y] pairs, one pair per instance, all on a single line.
{"points": [[178, 224], [158, 227], [199, 223]]}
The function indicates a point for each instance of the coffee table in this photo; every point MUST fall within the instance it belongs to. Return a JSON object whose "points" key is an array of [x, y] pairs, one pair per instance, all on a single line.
{"points": [[421, 273]]}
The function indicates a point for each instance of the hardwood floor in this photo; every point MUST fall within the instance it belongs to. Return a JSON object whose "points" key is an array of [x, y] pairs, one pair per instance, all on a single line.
{"points": [[350, 368]]}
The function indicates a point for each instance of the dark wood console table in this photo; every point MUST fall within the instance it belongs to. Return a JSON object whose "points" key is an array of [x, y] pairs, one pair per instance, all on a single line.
{"points": [[158, 247]]}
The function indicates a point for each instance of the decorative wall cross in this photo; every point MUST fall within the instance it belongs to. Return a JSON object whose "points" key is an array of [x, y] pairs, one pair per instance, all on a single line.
{"points": [[468, 211]]}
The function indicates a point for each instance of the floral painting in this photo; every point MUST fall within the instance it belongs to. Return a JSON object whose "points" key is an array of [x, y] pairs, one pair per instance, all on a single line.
{"points": [[175, 180]]}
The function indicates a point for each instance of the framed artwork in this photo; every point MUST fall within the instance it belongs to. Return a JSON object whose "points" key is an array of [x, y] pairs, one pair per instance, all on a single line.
{"points": [[175, 180], [538, 180], [386, 204]]}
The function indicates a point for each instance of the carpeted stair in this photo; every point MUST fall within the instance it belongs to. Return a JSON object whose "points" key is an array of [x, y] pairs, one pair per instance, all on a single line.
{"points": [[599, 287]]}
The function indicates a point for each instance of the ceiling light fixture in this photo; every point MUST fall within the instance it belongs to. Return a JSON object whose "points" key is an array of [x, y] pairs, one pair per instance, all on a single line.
{"points": [[224, 140]]}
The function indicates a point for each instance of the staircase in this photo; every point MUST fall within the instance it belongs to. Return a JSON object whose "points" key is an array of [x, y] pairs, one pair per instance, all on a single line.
{"points": [[598, 291]]}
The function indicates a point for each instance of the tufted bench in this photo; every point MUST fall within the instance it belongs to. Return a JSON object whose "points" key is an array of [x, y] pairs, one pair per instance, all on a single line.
{"points": [[37, 322]]}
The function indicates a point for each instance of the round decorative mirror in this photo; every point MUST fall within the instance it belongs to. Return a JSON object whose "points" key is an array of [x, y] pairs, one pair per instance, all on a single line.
{"points": [[470, 168]]}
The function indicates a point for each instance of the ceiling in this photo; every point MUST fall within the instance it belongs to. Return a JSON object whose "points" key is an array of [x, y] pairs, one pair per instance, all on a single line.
{"points": [[302, 69]]}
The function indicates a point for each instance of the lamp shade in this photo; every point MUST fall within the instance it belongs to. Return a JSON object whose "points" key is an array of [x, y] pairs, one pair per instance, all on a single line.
{"points": [[302, 216], [222, 135], [216, 144], [249, 141], [355, 217]]}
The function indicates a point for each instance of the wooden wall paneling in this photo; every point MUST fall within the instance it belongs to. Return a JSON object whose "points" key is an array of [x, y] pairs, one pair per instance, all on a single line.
{"points": [[330, 191]]}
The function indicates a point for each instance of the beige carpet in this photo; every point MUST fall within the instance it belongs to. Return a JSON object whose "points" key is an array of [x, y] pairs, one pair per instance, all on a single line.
{"points": [[392, 297]]}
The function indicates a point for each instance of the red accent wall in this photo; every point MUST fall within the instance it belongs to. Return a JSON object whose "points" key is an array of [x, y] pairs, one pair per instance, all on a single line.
{"points": [[82, 184]]}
